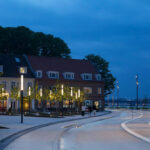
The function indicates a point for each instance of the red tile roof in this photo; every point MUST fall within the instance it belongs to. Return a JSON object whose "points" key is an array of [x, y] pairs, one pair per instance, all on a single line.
{"points": [[61, 65]]}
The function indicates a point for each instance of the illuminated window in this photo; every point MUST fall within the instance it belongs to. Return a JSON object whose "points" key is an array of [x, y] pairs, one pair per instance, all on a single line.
{"points": [[39, 74], [86, 76], [53, 74], [87, 90], [68, 75], [23, 70]]}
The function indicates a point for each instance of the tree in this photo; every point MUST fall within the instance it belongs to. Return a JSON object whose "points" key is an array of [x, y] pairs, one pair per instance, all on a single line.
{"points": [[103, 68], [21, 40]]}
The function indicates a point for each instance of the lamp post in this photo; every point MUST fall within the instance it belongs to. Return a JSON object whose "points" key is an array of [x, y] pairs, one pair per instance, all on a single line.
{"points": [[21, 96], [117, 94], [50, 94], [71, 94], [41, 94], [79, 97], [29, 99], [62, 93], [2, 99], [76, 96], [137, 92]]}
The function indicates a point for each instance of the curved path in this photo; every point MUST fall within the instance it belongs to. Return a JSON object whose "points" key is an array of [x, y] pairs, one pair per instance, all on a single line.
{"points": [[97, 133]]}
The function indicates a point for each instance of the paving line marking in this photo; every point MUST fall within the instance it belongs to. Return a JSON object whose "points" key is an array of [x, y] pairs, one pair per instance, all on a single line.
{"points": [[124, 126]]}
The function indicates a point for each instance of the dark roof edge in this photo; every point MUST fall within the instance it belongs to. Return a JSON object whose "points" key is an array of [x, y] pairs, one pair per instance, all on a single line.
{"points": [[29, 65]]}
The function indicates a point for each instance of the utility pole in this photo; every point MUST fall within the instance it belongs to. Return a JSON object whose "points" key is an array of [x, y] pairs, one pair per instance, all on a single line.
{"points": [[137, 92]]}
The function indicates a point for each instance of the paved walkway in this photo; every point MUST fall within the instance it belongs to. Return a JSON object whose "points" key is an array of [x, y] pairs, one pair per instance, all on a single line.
{"points": [[140, 127], [13, 125]]}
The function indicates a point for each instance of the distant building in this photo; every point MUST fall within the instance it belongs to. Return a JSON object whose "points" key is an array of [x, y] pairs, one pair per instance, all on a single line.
{"points": [[10, 68], [72, 72]]}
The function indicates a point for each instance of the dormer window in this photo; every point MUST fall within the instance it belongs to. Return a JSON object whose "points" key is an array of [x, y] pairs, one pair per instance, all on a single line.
{"points": [[23, 70], [17, 59], [98, 77], [53, 74], [68, 75], [86, 76], [39, 74], [1, 68]]}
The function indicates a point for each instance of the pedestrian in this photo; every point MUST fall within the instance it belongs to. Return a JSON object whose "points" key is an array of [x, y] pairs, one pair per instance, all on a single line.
{"points": [[83, 110], [94, 110], [90, 109]]}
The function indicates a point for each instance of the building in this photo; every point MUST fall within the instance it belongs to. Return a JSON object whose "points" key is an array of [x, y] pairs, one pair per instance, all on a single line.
{"points": [[73, 72], [11, 67]]}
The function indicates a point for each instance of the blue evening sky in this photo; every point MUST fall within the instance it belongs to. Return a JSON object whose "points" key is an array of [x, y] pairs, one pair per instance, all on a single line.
{"points": [[117, 30]]}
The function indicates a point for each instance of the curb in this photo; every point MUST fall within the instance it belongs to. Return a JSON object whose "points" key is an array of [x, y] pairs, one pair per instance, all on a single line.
{"points": [[4, 142], [124, 126]]}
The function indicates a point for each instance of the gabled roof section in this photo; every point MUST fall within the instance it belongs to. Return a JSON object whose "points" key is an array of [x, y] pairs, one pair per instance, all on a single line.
{"points": [[11, 64], [62, 65]]}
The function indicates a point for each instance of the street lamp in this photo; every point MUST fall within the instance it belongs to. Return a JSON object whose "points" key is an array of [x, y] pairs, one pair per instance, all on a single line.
{"points": [[3, 99], [78, 93], [41, 94], [137, 91], [117, 94], [62, 93], [21, 95], [71, 94], [29, 99], [79, 98], [50, 94]]}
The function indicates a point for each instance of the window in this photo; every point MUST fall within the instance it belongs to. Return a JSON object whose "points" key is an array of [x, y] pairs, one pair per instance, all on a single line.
{"points": [[39, 74], [29, 84], [86, 76], [53, 74], [1, 68], [4, 83], [23, 70], [87, 90], [99, 90], [17, 59], [13, 84], [98, 77], [68, 75]]}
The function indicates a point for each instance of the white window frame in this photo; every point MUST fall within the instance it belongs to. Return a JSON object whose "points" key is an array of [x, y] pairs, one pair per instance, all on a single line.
{"points": [[1, 68], [68, 73], [88, 88], [25, 70], [84, 75], [98, 77], [39, 71], [49, 73]]}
